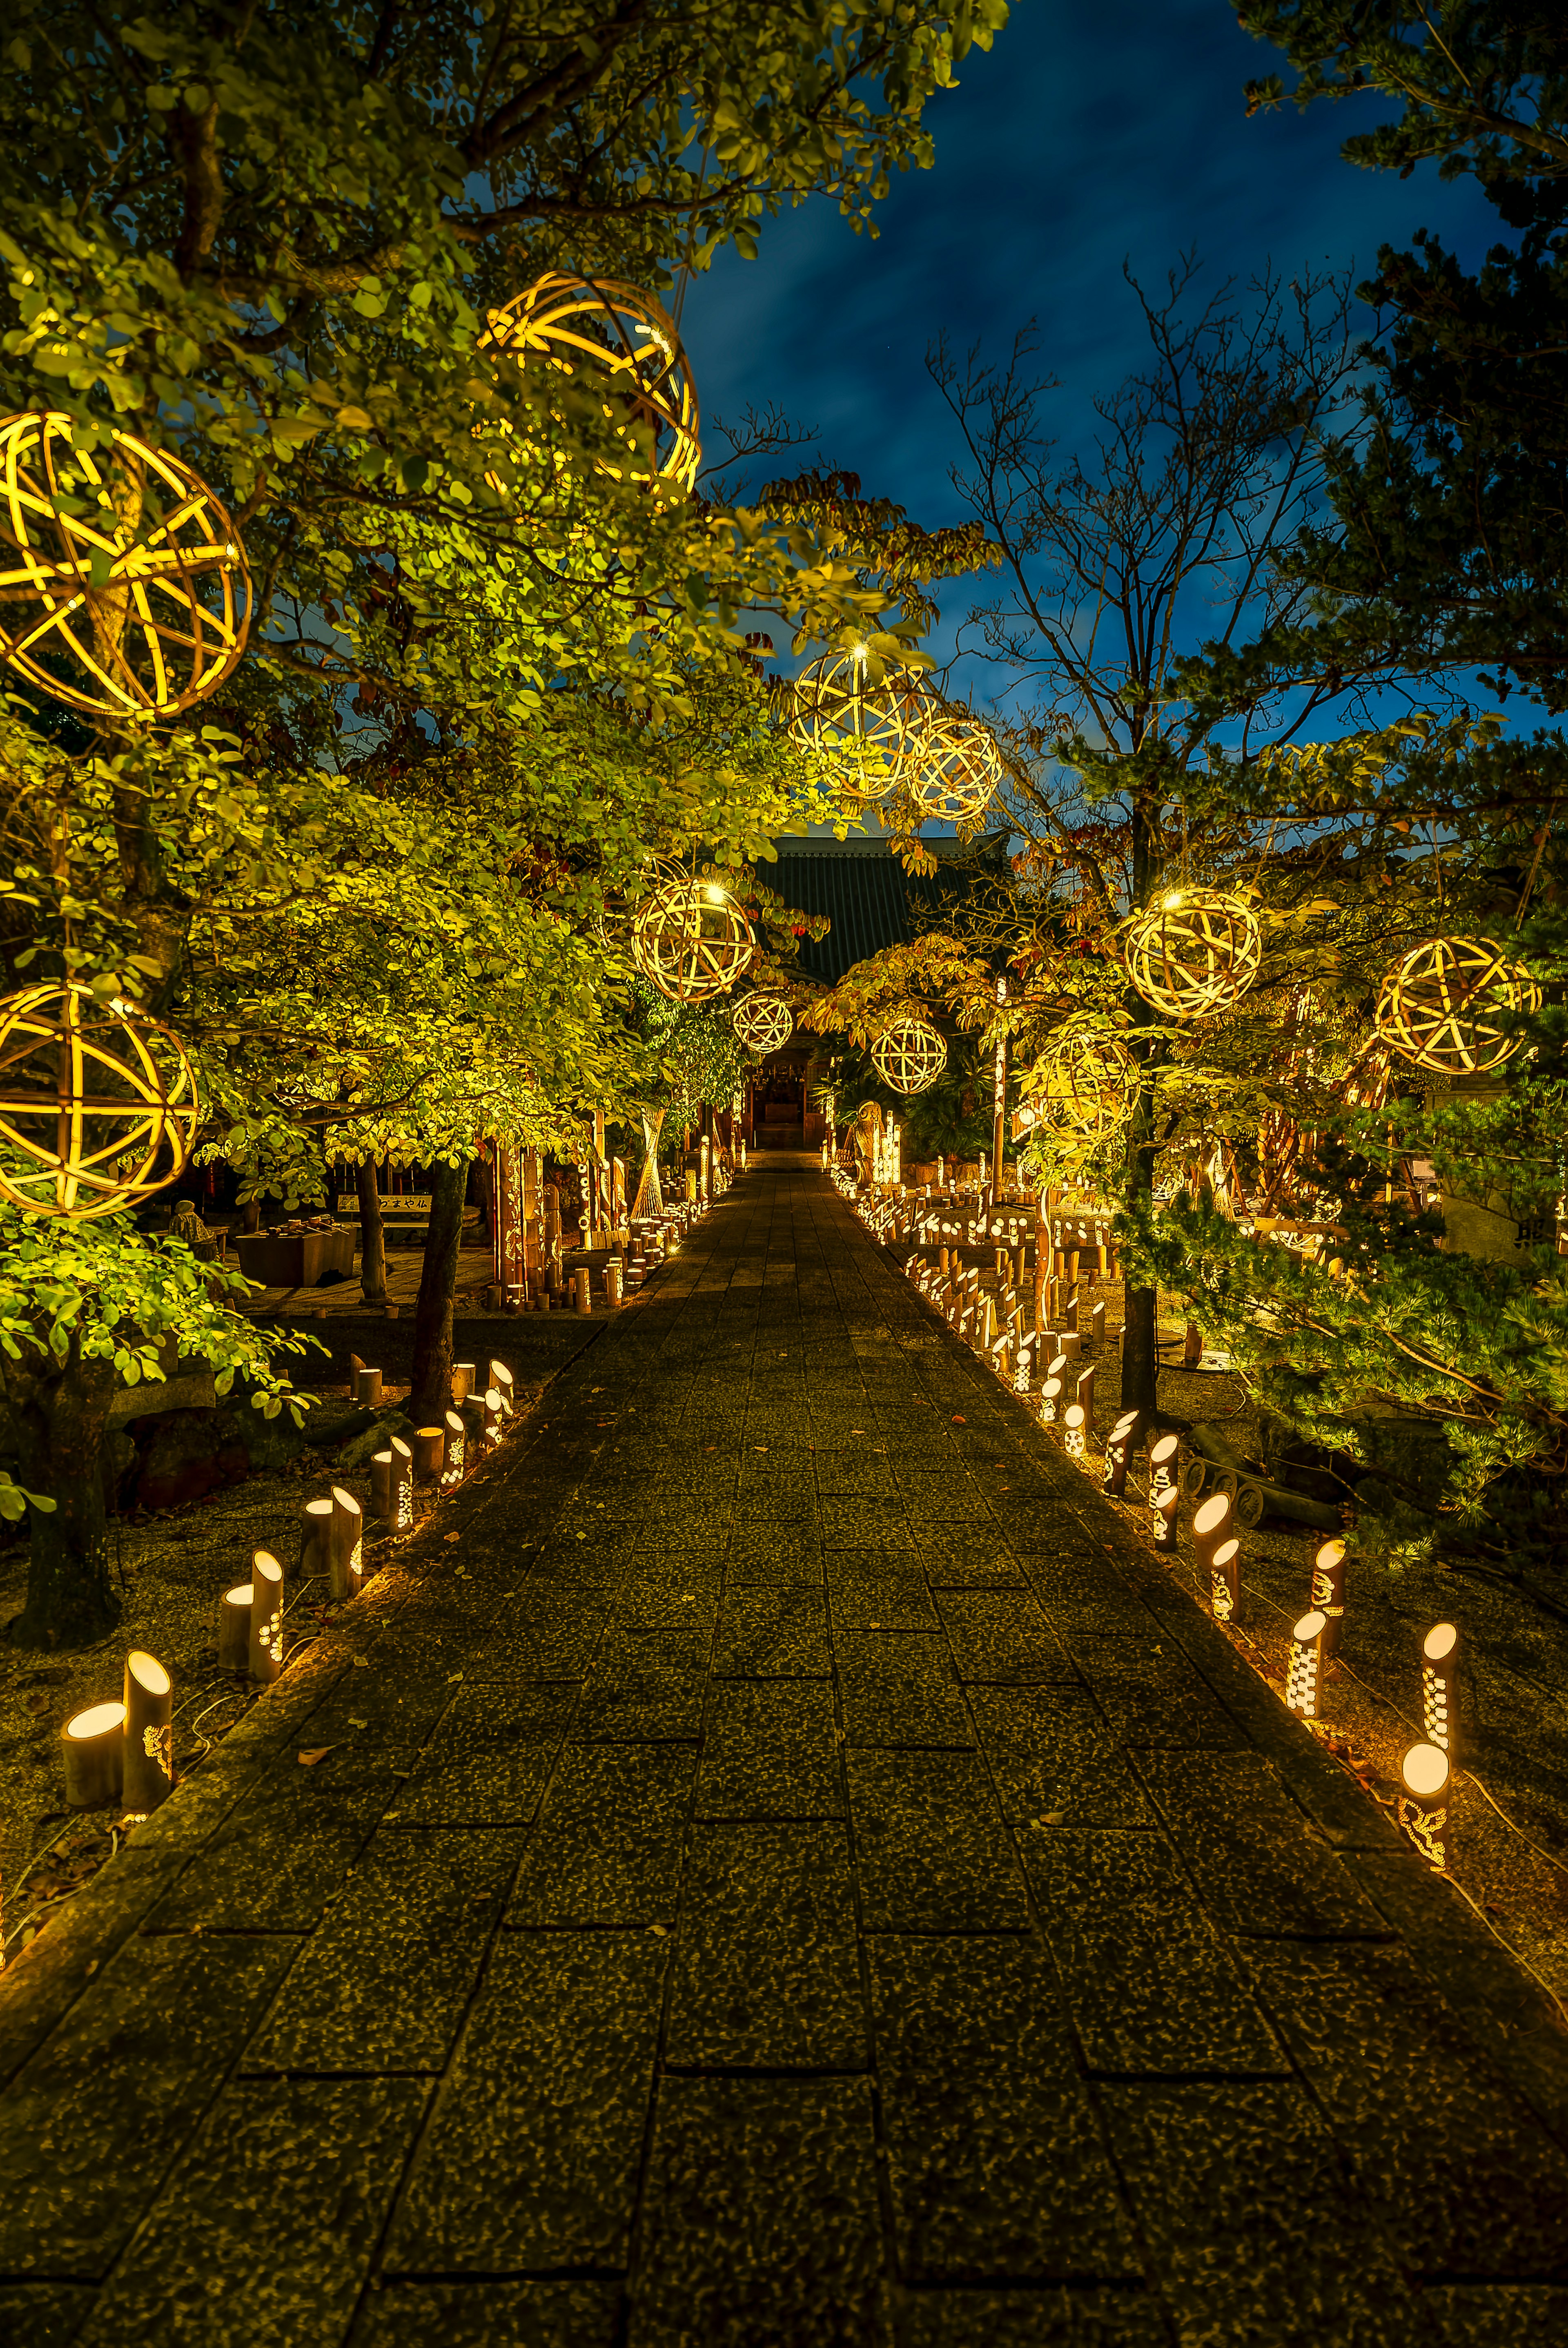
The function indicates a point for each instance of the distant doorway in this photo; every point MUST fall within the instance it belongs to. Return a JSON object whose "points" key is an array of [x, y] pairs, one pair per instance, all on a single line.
{"points": [[778, 1109]]}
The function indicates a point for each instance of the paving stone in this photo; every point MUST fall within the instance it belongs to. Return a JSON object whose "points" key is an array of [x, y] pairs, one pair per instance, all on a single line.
{"points": [[43, 2314], [1463, 2178], [967, 1557], [1255, 2234], [1154, 1695], [531, 2161], [284, 1852], [865, 1522], [1494, 2315], [646, 1688], [490, 1760], [382, 1984], [878, 1590], [550, 1634], [900, 1688], [852, 1475], [1258, 1866], [607, 1848], [770, 1752], [1043, 2318], [762, 2227], [766, 1973], [1054, 1757], [1003, 1636], [931, 1851], [96, 2116], [997, 2167], [1149, 1983], [267, 2231], [485, 2314], [774, 1631]]}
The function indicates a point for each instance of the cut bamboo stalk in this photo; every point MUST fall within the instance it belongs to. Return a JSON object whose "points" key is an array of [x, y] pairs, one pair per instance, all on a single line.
{"points": [[1049, 1401], [92, 1747], [315, 1540], [452, 1451], [1118, 1451], [1304, 1669], [429, 1453], [1072, 1431], [1211, 1526], [265, 1659], [1327, 1597], [1085, 1393], [346, 1550], [234, 1628], [1163, 1502], [367, 1389], [501, 1381], [464, 1379], [148, 1769], [1097, 1323], [392, 1487], [1224, 1581], [1439, 1660]]}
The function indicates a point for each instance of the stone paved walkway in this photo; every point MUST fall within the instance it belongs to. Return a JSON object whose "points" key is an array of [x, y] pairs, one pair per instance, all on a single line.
{"points": [[793, 1872]]}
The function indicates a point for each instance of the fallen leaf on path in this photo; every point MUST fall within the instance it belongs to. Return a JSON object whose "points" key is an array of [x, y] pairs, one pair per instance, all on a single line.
{"points": [[362, 1661], [452, 1536], [317, 1753], [958, 1419]]}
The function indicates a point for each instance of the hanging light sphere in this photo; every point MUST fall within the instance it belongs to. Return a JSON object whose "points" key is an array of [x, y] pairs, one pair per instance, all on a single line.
{"points": [[764, 1022], [599, 331], [691, 939], [1193, 951], [954, 767], [910, 1056], [1082, 1084], [872, 726], [123, 585], [1443, 1005], [90, 1094]]}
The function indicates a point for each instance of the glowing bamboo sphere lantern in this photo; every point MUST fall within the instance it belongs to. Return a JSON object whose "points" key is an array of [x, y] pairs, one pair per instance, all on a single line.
{"points": [[601, 334], [1193, 951], [836, 710], [691, 941], [1445, 1004], [91, 1097], [952, 766], [123, 585], [1082, 1084], [910, 1056], [764, 1022]]}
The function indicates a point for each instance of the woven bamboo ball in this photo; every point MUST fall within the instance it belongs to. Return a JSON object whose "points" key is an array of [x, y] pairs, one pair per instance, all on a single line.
{"points": [[610, 332], [871, 727], [910, 1056], [691, 939], [123, 585], [764, 1023], [1443, 1005], [953, 768], [1082, 1084], [1193, 951], [90, 1094]]}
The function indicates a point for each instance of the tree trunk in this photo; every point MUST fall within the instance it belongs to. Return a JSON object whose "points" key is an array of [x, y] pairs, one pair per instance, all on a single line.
{"points": [[58, 1421], [1140, 1359], [432, 1391], [372, 1234]]}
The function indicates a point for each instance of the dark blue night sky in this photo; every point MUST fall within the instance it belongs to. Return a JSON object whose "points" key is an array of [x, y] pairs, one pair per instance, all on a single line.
{"points": [[1094, 131]]}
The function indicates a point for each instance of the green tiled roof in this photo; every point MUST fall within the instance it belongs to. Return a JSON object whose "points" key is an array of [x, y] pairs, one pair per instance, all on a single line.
{"points": [[867, 895]]}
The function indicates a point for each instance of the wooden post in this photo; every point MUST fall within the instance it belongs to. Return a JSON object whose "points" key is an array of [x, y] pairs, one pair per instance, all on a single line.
{"points": [[613, 1286], [265, 1658], [92, 1750], [315, 1540], [234, 1629], [582, 1288], [1097, 1323], [345, 1551], [148, 1769]]}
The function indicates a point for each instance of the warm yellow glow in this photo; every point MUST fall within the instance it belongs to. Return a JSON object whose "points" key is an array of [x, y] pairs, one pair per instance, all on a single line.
{"points": [[239, 1596], [1425, 1771], [1440, 1642], [715, 894], [266, 1565], [1307, 1629], [148, 1673], [1212, 1514], [96, 1721]]}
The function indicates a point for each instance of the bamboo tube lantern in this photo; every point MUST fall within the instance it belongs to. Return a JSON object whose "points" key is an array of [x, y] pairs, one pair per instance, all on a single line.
{"points": [[367, 1389], [123, 590], [1118, 1451], [345, 1545], [1448, 1005], [93, 1097], [1328, 1591], [1439, 1660], [1049, 1401], [429, 1453], [392, 1486], [691, 941], [1422, 1810], [1193, 952], [92, 1749], [1163, 1502], [601, 334], [1085, 1391], [1211, 1527], [265, 1659], [1072, 1431], [764, 1022], [148, 1769], [613, 1286], [315, 1540], [910, 1056], [582, 1289], [1224, 1581], [464, 1379], [234, 1629], [1305, 1671], [1082, 1085], [1162, 1454], [952, 766], [1097, 1323], [452, 1462], [500, 1382]]}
